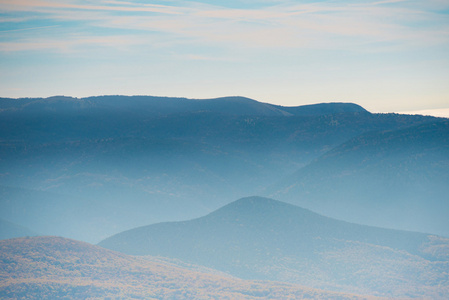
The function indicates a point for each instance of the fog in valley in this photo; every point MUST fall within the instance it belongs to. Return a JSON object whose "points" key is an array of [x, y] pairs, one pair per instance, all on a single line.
{"points": [[177, 179]]}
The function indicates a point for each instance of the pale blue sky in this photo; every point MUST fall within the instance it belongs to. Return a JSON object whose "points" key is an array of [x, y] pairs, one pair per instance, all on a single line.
{"points": [[388, 55]]}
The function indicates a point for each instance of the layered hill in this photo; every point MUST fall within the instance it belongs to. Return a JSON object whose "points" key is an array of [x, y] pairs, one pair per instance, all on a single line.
{"points": [[121, 162], [260, 238], [58, 268], [393, 178]]}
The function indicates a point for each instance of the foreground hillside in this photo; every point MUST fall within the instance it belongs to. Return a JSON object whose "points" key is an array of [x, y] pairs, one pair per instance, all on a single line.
{"points": [[121, 162], [260, 238], [58, 268], [392, 178]]}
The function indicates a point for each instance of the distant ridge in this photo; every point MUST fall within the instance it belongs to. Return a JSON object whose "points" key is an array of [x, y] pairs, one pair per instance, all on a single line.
{"points": [[168, 105], [260, 238]]}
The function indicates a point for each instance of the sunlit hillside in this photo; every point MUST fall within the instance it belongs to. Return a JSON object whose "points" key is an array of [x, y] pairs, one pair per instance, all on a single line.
{"points": [[58, 268]]}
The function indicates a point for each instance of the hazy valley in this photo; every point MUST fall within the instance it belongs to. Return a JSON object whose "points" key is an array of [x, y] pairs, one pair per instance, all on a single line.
{"points": [[159, 178], [113, 163]]}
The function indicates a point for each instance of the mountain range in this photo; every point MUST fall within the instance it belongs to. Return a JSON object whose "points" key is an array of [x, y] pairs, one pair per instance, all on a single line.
{"points": [[264, 239], [88, 168], [129, 172]]}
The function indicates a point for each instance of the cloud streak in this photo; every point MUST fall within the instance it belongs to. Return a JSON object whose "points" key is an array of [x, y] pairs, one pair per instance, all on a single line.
{"points": [[378, 50], [68, 45], [27, 29], [41, 6], [286, 25]]}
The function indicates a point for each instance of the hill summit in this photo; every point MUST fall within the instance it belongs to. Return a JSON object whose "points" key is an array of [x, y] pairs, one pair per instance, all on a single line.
{"points": [[261, 238]]}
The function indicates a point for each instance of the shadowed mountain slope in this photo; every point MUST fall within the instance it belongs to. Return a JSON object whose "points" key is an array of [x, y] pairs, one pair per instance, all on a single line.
{"points": [[260, 238], [58, 268], [394, 178]]}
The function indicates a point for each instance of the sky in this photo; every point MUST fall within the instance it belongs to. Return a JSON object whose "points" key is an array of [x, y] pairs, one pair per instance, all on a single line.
{"points": [[386, 55]]}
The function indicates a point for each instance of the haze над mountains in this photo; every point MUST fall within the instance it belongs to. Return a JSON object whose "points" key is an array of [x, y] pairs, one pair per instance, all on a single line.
{"points": [[393, 178], [88, 168]]}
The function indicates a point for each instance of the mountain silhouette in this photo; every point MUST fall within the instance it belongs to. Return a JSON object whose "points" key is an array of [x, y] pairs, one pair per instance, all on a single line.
{"points": [[150, 105], [261, 238]]}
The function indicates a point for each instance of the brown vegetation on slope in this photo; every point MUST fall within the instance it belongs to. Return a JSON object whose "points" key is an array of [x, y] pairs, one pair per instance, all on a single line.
{"points": [[53, 267]]}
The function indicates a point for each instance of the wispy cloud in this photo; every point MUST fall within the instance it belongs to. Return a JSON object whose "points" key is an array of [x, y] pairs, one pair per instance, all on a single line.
{"points": [[27, 29], [41, 6], [68, 45], [384, 2], [285, 24]]}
